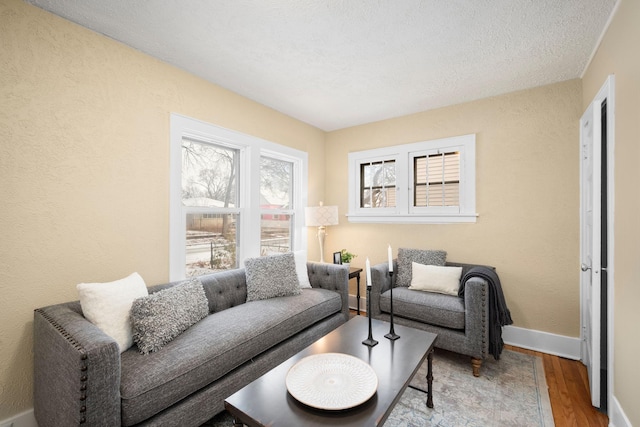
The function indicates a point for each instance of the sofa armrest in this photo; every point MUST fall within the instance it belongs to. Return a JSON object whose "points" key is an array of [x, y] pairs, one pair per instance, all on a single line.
{"points": [[333, 277], [476, 302], [76, 370], [381, 282]]}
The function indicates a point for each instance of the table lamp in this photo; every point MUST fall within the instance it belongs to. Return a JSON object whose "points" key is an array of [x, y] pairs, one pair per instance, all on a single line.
{"points": [[321, 216]]}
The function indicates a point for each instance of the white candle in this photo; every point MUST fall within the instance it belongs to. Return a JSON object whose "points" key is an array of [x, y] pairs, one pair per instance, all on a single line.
{"points": [[368, 267], [389, 252]]}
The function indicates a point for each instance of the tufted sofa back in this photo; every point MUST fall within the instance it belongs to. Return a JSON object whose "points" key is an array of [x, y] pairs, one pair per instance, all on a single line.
{"points": [[224, 289]]}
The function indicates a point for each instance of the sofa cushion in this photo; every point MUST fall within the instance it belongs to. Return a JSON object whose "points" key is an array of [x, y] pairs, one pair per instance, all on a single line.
{"points": [[213, 347], [160, 317], [426, 307], [301, 269], [108, 306], [435, 278], [408, 256], [271, 276]]}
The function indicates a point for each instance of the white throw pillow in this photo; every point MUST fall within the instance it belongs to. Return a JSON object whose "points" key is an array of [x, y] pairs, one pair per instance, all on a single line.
{"points": [[108, 306], [301, 269], [434, 278]]}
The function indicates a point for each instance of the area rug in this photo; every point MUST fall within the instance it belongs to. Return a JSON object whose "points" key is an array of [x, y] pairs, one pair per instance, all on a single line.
{"points": [[511, 391]]}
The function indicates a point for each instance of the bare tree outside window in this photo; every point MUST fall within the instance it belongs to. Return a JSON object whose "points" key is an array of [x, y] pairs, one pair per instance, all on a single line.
{"points": [[210, 190], [276, 201], [378, 188], [232, 196]]}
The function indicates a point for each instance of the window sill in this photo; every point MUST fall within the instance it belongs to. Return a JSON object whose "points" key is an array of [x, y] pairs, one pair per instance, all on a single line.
{"points": [[412, 219]]}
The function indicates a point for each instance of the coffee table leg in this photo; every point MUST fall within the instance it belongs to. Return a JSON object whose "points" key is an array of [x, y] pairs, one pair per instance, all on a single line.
{"points": [[237, 423], [430, 379]]}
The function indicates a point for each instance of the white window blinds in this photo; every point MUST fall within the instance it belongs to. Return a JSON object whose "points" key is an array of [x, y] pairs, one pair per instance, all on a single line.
{"points": [[437, 179]]}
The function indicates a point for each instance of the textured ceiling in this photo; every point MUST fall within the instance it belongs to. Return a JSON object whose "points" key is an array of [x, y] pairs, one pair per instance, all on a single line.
{"points": [[340, 63]]}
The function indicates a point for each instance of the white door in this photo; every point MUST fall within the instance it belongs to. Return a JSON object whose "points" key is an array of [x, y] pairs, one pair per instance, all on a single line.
{"points": [[590, 244]]}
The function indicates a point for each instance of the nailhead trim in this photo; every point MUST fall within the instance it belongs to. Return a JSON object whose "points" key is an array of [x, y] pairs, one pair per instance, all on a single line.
{"points": [[61, 330], [83, 356]]}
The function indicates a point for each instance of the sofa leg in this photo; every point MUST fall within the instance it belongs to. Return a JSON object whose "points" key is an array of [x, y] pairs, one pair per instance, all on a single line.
{"points": [[476, 363]]}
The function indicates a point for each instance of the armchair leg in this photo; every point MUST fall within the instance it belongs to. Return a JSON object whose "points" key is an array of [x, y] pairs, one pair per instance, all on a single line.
{"points": [[476, 363]]}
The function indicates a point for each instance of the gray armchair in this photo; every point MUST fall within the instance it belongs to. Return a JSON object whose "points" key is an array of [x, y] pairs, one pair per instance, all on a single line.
{"points": [[461, 323]]}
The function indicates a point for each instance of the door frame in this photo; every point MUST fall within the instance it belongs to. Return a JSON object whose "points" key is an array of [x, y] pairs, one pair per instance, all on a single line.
{"points": [[607, 92]]}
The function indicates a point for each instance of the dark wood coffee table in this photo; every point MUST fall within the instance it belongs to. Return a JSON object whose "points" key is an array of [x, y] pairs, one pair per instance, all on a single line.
{"points": [[266, 401]]}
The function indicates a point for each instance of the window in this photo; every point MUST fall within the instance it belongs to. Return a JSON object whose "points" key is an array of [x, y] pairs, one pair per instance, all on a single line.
{"points": [[436, 179], [378, 184], [233, 196], [276, 200], [424, 182], [209, 202]]}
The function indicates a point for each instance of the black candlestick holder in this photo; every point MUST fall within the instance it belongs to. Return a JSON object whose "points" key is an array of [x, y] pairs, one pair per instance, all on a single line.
{"points": [[392, 333], [369, 341]]}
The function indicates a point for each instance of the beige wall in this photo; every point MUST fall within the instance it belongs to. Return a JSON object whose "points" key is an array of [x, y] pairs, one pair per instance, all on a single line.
{"points": [[84, 167], [527, 182], [84, 156], [618, 55]]}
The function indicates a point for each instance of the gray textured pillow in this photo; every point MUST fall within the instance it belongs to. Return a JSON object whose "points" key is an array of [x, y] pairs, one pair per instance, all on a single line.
{"points": [[408, 256], [271, 276], [160, 317]]}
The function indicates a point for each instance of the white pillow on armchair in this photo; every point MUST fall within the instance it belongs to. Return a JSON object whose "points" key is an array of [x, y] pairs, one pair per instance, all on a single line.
{"points": [[435, 278]]}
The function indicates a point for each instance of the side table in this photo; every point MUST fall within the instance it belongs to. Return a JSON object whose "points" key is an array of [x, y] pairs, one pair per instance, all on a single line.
{"points": [[354, 272]]}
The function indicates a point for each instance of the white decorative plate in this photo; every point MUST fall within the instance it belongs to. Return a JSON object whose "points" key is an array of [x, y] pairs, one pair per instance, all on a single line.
{"points": [[332, 381]]}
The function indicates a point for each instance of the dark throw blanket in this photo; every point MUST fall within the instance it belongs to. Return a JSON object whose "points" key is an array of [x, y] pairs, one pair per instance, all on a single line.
{"points": [[499, 314]]}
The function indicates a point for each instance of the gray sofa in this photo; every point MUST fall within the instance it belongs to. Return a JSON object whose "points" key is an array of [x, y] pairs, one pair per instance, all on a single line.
{"points": [[80, 377], [462, 323]]}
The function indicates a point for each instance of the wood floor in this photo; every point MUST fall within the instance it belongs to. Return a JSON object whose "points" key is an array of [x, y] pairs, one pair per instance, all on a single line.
{"points": [[568, 391]]}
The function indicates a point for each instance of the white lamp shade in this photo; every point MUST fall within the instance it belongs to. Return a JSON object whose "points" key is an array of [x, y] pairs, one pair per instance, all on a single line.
{"points": [[317, 216]]}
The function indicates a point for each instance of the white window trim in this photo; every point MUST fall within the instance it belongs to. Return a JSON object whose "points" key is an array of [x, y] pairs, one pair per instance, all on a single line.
{"points": [[403, 212], [251, 149]]}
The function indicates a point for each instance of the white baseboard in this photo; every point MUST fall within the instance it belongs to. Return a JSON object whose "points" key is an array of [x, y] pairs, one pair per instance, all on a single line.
{"points": [[617, 417], [25, 419], [353, 301], [545, 342]]}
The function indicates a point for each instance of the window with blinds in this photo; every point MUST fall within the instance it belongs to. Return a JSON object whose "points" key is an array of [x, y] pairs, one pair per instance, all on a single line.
{"points": [[437, 179], [422, 182]]}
